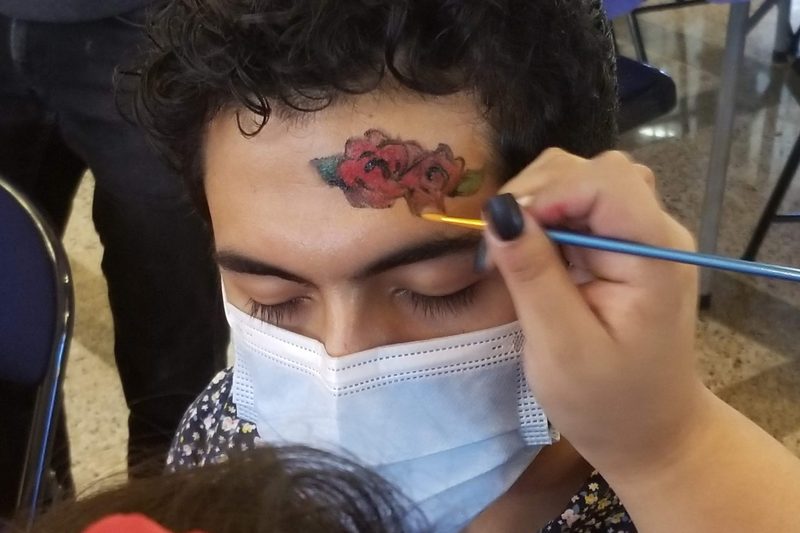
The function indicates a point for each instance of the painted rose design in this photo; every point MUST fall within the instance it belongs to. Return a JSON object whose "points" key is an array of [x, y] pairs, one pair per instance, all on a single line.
{"points": [[375, 171]]}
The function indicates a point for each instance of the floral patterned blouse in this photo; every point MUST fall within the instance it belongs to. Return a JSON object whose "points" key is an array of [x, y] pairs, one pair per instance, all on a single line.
{"points": [[210, 429]]}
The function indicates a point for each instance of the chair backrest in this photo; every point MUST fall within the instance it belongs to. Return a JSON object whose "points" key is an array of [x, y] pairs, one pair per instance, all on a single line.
{"points": [[36, 318], [28, 290], [645, 93]]}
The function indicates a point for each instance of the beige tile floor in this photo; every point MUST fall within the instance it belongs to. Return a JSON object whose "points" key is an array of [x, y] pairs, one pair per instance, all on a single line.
{"points": [[747, 340]]}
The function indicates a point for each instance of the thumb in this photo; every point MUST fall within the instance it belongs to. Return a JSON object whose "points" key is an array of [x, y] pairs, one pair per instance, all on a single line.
{"points": [[549, 306]]}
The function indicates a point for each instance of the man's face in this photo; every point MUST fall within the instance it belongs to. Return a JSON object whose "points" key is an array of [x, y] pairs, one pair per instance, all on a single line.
{"points": [[323, 261]]}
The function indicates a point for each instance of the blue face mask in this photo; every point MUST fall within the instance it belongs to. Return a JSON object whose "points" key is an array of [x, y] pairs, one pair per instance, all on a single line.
{"points": [[450, 421]]}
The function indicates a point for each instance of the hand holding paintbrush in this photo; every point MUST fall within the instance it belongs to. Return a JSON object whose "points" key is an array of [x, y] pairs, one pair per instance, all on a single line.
{"points": [[612, 360]]}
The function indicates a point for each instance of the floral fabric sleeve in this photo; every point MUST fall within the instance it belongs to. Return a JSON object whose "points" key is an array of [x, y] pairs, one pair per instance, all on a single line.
{"points": [[595, 508], [209, 428], [182, 454]]}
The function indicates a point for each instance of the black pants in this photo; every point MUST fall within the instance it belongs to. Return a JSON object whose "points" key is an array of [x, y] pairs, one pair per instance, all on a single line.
{"points": [[57, 117]]}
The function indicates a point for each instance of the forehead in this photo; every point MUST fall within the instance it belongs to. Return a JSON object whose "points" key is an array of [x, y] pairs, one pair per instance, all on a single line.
{"points": [[264, 191]]}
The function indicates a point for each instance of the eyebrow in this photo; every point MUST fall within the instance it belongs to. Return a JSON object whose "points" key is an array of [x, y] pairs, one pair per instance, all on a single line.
{"points": [[415, 253]]}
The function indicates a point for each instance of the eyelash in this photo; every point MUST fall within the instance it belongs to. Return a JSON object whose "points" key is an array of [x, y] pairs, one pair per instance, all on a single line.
{"points": [[435, 306], [273, 314], [429, 306]]}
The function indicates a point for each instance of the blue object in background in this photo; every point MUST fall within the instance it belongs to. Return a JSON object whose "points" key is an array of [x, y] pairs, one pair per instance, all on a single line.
{"points": [[616, 8], [36, 320]]}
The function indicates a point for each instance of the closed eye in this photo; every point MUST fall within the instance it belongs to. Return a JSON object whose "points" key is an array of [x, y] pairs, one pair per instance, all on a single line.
{"points": [[437, 306], [276, 313], [426, 305]]}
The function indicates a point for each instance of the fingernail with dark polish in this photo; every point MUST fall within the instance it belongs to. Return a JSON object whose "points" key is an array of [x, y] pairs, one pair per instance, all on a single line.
{"points": [[479, 266], [505, 217]]}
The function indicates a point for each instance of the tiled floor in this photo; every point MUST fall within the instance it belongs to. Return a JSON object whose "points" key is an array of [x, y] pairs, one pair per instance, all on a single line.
{"points": [[96, 411], [746, 340]]}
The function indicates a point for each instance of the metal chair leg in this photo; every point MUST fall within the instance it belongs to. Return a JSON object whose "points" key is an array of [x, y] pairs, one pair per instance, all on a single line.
{"points": [[638, 40], [721, 140], [783, 32], [40, 444], [774, 202]]}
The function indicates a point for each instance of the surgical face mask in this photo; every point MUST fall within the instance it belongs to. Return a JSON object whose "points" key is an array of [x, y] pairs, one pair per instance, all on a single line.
{"points": [[450, 421]]}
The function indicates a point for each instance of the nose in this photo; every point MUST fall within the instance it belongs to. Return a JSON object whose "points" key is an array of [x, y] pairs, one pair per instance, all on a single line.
{"points": [[351, 328]]}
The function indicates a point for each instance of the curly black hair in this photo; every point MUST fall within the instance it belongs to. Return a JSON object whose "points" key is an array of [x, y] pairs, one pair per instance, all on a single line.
{"points": [[542, 70]]}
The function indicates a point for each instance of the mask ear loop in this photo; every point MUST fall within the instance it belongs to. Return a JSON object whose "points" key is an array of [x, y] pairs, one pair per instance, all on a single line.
{"points": [[534, 427], [225, 303]]}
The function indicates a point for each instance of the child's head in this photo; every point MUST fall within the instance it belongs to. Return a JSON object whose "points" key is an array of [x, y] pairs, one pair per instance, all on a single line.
{"points": [[288, 118], [269, 490]]}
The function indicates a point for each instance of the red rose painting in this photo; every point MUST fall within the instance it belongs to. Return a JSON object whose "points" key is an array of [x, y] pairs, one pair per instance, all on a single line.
{"points": [[375, 171]]}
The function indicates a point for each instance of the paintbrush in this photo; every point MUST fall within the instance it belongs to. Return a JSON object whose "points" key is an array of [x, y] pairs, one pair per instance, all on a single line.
{"points": [[607, 244]]}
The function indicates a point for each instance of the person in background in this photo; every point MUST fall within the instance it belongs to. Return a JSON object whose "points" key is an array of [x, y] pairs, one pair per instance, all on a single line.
{"points": [[57, 117], [269, 490]]}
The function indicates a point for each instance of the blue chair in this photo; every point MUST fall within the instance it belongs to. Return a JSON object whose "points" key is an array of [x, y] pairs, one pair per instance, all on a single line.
{"points": [[786, 40], [635, 29], [36, 320], [645, 93]]}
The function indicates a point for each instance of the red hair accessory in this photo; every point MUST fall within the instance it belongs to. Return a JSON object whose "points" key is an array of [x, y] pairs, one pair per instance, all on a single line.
{"points": [[128, 523]]}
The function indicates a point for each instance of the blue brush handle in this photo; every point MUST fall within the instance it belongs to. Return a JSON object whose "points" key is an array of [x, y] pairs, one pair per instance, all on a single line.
{"points": [[678, 256]]}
